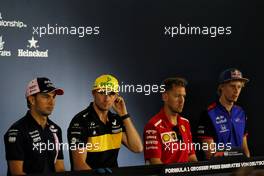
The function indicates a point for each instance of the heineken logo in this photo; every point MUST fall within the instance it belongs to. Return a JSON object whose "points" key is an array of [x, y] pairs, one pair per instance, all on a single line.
{"points": [[32, 50]]}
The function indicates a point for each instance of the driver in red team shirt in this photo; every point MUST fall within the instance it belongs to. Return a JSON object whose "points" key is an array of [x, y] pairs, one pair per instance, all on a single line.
{"points": [[167, 136]]}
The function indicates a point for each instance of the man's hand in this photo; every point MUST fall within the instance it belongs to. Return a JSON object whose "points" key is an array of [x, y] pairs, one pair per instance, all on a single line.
{"points": [[119, 106], [16, 167], [130, 137]]}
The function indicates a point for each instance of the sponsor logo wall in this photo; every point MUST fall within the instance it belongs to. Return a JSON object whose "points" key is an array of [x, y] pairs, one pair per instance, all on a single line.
{"points": [[31, 49]]}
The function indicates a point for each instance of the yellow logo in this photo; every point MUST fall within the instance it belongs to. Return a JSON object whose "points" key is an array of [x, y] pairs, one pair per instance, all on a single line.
{"points": [[166, 137], [183, 128], [108, 82], [174, 136]]}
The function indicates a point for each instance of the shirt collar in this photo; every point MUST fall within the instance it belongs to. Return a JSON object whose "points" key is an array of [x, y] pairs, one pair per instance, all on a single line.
{"points": [[33, 122], [222, 107], [92, 110], [165, 118]]}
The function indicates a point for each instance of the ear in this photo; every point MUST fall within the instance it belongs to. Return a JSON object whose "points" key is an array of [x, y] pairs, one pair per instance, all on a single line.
{"points": [[93, 93], [221, 87], [165, 96], [31, 99]]}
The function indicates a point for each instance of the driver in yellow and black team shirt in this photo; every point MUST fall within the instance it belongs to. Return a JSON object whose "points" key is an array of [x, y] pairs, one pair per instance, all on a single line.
{"points": [[97, 133]]}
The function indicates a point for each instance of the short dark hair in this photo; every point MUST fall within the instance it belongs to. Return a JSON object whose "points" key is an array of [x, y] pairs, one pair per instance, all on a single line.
{"points": [[176, 81]]}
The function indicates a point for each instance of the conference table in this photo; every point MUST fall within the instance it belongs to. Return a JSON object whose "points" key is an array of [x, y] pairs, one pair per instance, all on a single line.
{"points": [[219, 166]]}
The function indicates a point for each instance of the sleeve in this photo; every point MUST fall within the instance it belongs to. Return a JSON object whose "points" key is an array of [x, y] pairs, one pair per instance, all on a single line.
{"points": [[14, 144], [152, 142], [205, 128], [60, 155], [120, 120], [77, 133], [246, 126]]}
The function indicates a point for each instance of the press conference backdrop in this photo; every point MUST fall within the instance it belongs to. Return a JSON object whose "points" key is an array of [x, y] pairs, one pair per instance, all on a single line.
{"points": [[141, 43]]}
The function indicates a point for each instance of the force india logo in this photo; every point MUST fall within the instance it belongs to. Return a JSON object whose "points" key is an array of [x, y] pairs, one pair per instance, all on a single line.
{"points": [[30, 52]]}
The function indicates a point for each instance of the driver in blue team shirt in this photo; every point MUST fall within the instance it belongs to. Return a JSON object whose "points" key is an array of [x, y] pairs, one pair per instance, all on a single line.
{"points": [[225, 123]]}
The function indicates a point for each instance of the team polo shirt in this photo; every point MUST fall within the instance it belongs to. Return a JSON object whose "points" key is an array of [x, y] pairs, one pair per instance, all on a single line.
{"points": [[101, 141], [163, 140], [224, 127], [39, 148]]}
